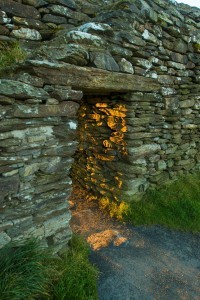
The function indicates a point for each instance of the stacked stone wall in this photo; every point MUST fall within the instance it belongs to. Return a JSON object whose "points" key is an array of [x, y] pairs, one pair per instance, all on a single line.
{"points": [[39, 20], [37, 142], [131, 142], [137, 63]]}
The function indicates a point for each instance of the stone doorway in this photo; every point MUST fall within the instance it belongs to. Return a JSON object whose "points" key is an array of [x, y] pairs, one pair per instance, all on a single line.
{"points": [[100, 160], [98, 171]]}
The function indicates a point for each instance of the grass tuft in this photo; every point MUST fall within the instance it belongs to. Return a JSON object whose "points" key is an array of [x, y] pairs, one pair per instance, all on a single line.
{"points": [[23, 274], [10, 54], [78, 280], [175, 205], [30, 272]]}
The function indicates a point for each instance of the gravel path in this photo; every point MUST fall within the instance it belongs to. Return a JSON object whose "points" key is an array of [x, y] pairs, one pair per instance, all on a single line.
{"points": [[138, 263]]}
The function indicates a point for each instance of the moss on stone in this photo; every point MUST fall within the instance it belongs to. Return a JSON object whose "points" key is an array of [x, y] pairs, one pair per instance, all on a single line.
{"points": [[197, 47]]}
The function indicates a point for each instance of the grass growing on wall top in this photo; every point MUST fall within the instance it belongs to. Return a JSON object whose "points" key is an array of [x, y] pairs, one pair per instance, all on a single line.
{"points": [[29, 272], [175, 205]]}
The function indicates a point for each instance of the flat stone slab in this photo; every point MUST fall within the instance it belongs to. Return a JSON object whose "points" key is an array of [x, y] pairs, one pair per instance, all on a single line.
{"points": [[66, 108], [84, 78], [155, 263], [20, 90]]}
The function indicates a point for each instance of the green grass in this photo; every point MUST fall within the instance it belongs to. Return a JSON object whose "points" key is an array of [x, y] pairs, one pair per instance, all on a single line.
{"points": [[175, 205], [23, 274], [10, 54], [78, 280], [30, 272]]}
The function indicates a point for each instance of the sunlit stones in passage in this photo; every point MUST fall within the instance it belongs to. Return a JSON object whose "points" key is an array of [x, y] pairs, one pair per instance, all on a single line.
{"points": [[102, 132]]}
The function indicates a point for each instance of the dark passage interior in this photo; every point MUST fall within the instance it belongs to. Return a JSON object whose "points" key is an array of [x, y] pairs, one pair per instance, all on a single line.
{"points": [[100, 160]]}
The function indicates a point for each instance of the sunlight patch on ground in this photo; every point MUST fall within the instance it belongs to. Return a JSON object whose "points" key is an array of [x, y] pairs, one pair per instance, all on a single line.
{"points": [[105, 238]]}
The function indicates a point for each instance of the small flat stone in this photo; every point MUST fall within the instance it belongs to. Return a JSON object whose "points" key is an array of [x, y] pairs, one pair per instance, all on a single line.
{"points": [[57, 223], [8, 185], [33, 80], [180, 46], [4, 30], [10, 173], [4, 18], [30, 23], [66, 108], [68, 3], [144, 150], [49, 18], [104, 61], [96, 28], [18, 9], [84, 38], [20, 90], [35, 3], [4, 239], [70, 53], [187, 103], [27, 34], [126, 66], [65, 94], [6, 100]]}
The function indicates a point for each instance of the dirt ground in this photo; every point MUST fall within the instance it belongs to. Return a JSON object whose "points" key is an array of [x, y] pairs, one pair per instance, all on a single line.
{"points": [[137, 262], [95, 225]]}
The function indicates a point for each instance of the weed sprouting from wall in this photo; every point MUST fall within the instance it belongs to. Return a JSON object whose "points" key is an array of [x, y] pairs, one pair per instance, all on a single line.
{"points": [[115, 210], [10, 54]]}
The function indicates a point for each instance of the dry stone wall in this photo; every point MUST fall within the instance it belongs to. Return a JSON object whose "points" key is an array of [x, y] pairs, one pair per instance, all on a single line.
{"points": [[37, 142], [131, 142], [136, 66]]}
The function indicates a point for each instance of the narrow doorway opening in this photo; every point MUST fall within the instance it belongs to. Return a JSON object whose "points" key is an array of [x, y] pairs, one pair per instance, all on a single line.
{"points": [[100, 160]]}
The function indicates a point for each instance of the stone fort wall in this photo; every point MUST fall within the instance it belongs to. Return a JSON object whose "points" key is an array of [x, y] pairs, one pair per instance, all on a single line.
{"points": [[118, 81]]}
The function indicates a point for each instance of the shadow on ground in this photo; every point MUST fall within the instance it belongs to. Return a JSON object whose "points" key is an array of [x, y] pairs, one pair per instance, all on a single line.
{"points": [[138, 263]]}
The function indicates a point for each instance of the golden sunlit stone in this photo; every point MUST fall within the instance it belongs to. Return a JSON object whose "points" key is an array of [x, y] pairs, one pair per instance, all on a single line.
{"points": [[101, 104], [107, 144], [104, 186], [102, 140], [113, 112], [119, 182], [105, 158], [95, 116]]}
